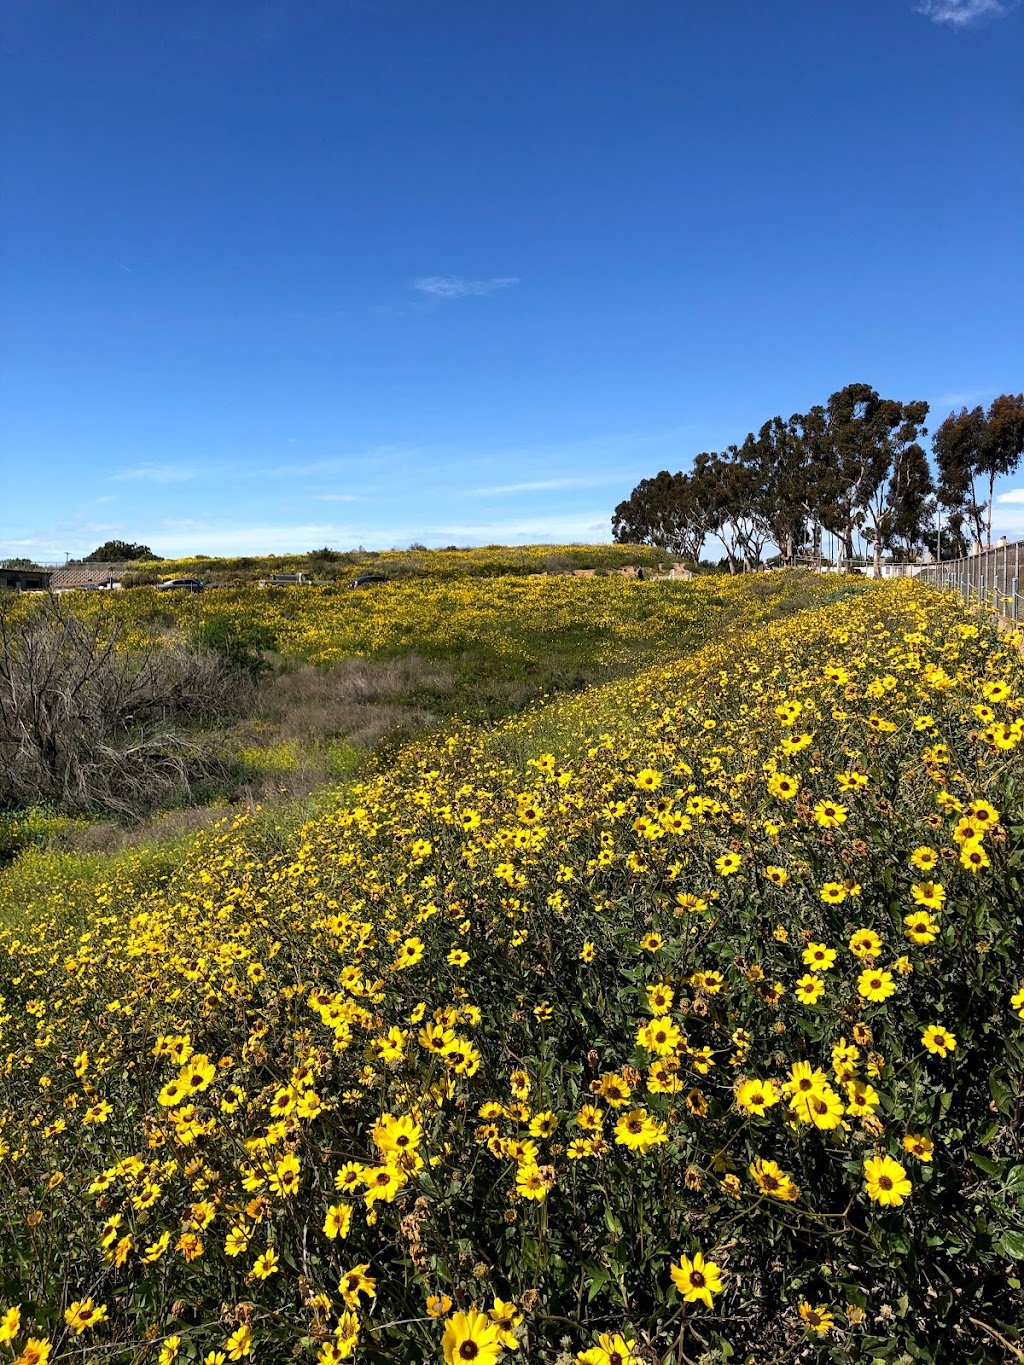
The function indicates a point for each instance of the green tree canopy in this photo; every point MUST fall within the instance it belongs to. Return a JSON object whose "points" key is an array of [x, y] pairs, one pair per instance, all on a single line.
{"points": [[972, 449], [853, 465], [859, 444], [670, 510], [114, 551]]}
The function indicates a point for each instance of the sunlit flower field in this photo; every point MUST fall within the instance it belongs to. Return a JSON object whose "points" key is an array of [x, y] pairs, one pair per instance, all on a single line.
{"points": [[484, 561], [677, 1020], [434, 615]]}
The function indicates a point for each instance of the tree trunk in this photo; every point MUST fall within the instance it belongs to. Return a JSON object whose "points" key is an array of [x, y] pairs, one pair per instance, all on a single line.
{"points": [[846, 543], [988, 512]]}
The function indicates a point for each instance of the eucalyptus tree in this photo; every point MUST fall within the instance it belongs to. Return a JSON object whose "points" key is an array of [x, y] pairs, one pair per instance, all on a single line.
{"points": [[725, 491], [943, 535], [783, 504], [973, 448], [893, 502], [670, 511], [912, 501], [858, 443]]}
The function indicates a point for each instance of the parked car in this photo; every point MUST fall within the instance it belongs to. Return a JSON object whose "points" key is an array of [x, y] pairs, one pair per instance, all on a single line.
{"points": [[365, 580], [182, 584]]}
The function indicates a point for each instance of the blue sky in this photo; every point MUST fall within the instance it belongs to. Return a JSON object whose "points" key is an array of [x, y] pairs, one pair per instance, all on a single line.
{"points": [[286, 273]]}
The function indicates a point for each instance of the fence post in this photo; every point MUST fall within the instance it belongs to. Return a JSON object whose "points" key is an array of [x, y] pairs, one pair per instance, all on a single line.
{"points": [[993, 568], [994, 573], [995, 581]]}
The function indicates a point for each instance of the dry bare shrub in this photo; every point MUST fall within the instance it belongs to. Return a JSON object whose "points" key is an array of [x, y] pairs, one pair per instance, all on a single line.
{"points": [[113, 836], [87, 723], [361, 699], [558, 563]]}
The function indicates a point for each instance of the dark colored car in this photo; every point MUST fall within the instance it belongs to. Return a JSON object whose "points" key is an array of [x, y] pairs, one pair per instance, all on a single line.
{"points": [[366, 579], [181, 584]]}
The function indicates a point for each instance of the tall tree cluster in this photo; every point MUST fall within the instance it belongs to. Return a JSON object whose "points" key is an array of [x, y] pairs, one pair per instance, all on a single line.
{"points": [[853, 467]]}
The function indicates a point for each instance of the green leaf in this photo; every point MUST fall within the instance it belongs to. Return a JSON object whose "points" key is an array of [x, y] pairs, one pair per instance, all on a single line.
{"points": [[598, 1276], [1015, 1180], [1001, 1090], [611, 1222], [985, 1163], [1012, 1244]]}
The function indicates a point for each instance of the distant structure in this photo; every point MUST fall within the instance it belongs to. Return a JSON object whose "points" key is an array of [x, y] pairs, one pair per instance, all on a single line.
{"points": [[294, 580], [25, 580], [94, 575]]}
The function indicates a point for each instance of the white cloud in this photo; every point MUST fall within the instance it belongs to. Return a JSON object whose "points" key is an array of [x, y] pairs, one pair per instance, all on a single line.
{"points": [[26, 546], [178, 538], [454, 287], [1009, 523], [1012, 496], [302, 471], [967, 398], [339, 464], [57, 543], [335, 497], [959, 13], [583, 528], [155, 473], [539, 486]]}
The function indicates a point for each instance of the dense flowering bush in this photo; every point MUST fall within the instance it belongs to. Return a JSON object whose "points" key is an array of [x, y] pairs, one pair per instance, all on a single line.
{"points": [[681, 1018], [484, 561], [435, 616]]}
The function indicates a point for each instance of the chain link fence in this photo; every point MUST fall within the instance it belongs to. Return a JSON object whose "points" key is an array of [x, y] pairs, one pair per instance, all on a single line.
{"points": [[990, 578]]}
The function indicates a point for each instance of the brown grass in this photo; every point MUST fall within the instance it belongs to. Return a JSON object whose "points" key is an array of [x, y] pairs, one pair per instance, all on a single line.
{"points": [[359, 700]]}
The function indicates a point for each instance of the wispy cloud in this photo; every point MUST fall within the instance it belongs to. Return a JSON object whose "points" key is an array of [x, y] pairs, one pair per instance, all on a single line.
{"points": [[301, 471], [455, 287], [1009, 522], [538, 486], [1011, 496], [339, 464], [960, 13], [335, 497], [957, 398], [155, 473], [582, 528], [185, 537]]}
